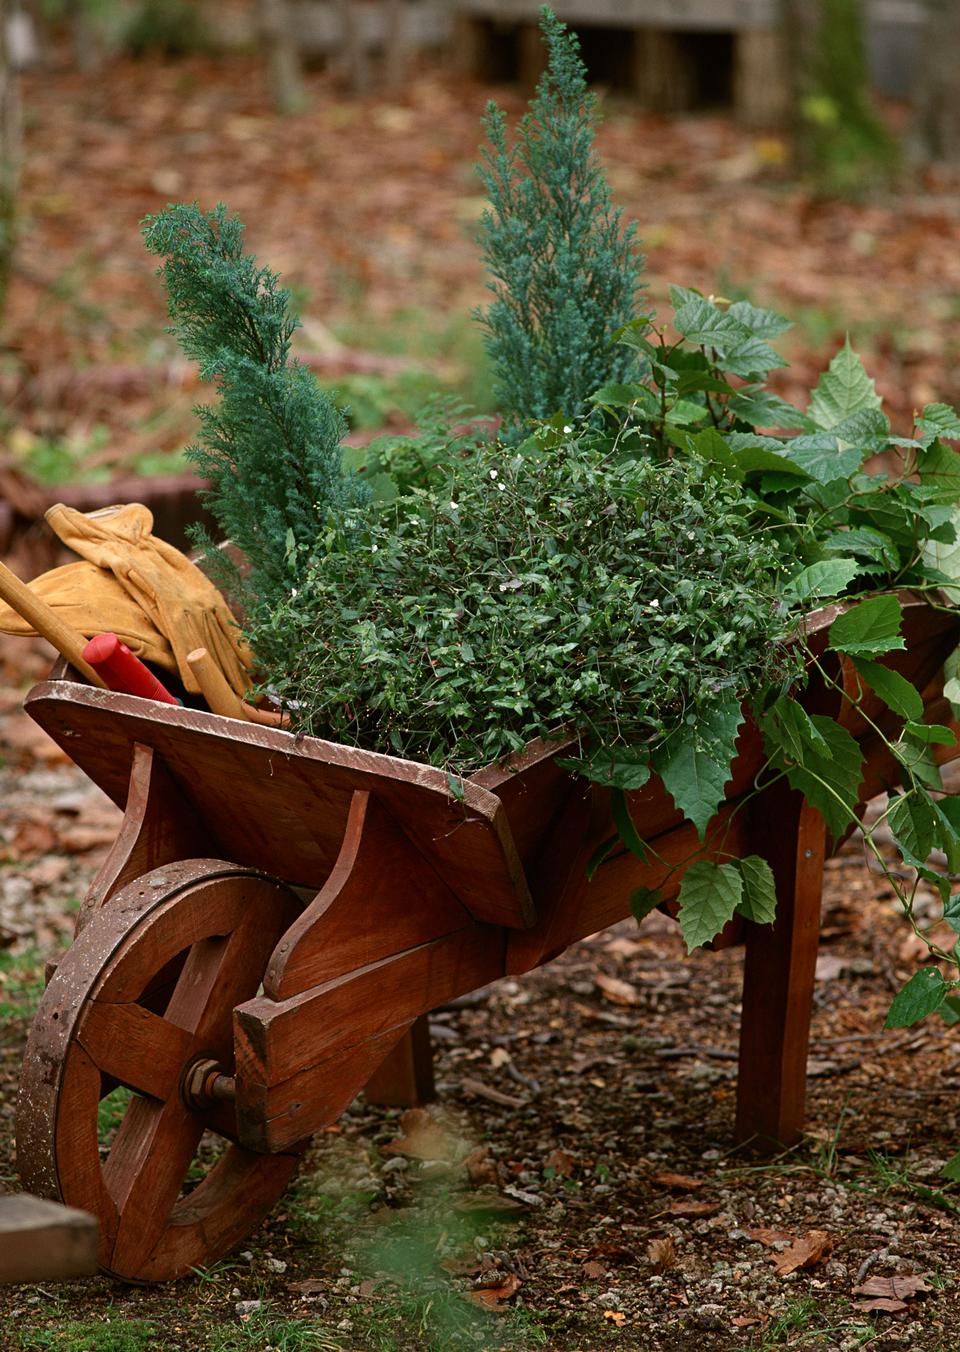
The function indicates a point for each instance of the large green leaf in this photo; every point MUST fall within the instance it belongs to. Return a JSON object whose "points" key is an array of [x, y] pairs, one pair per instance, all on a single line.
{"points": [[843, 389], [945, 557], [938, 420], [738, 349], [695, 764], [824, 457], [709, 896], [939, 468], [759, 900], [912, 820], [761, 323], [924, 992], [821, 580], [820, 759], [869, 629], [895, 690]]}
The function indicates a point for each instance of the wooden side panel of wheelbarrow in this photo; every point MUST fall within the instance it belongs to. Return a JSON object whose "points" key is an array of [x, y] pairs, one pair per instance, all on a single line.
{"points": [[276, 802]]}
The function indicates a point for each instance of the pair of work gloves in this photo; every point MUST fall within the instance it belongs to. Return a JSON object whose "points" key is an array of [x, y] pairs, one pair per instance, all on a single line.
{"points": [[132, 584]]}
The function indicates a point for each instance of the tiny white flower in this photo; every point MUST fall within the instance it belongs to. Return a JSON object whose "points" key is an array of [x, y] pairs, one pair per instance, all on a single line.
{"points": [[567, 430], [654, 604], [374, 548], [502, 487], [453, 508], [293, 591], [493, 474], [691, 534]]}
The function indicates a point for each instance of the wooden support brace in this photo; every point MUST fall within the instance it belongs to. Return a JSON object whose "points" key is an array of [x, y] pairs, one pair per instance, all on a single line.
{"points": [[160, 826]]}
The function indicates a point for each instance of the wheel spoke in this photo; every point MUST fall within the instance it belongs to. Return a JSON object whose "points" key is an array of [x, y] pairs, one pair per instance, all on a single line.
{"points": [[135, 1047], [144, 1173]]}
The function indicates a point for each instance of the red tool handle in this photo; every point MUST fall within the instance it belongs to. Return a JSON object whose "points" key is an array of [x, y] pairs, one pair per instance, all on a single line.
{"points": [[122, 671]]}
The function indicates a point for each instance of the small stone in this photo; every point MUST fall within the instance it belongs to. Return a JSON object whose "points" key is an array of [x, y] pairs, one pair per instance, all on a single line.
{"points": [[396, 1165], [247, 1307], [275, 1265]]}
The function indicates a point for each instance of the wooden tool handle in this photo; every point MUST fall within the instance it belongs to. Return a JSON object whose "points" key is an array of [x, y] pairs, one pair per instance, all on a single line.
{"points": [[45, 620], [214, 686]]}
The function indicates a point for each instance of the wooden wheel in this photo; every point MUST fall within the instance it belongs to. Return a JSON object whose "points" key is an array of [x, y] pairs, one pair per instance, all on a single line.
{"points": [[144, 1000]]}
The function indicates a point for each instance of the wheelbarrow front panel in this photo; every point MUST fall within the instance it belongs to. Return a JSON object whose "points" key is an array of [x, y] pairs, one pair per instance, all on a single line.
{"points": [[280, 803]]}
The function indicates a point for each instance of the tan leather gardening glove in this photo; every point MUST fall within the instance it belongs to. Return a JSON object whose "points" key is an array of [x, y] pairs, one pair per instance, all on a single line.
{"points": [[177, 597], [92, 601]]}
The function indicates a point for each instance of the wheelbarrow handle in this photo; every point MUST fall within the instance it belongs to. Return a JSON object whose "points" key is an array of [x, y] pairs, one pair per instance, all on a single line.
{"points": [[47, 623]]}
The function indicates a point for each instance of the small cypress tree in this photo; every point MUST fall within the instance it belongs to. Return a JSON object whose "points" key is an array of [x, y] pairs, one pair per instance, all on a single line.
{"points": [[565, 273], [271, 447]]}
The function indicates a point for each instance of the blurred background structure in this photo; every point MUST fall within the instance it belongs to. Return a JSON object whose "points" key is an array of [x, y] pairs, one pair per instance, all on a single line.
{"points": [[803, 152]]}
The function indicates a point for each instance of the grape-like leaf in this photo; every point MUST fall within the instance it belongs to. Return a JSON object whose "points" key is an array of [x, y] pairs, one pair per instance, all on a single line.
{"points": [[821, 580], [913, 822], [820, 759], [869, 629], [924, 993], [709, 895], [695, 767], [895, 690], [842, 390], [759, 900]]}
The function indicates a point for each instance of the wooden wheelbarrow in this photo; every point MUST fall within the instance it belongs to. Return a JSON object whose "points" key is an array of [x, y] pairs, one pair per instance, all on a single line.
{"points": [[277, 912]]}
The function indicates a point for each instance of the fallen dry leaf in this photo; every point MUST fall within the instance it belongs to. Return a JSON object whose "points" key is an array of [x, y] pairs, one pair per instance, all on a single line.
{"points": [[480, 1168], [882, 1305], [886, 1292], [621, 947], [593, 1270], [615, 1316], [681, 1182], [424, 1137], [685, 1207], [311, 1286], [617, 991], [561, 1161], [490, 1204], [662, 1253], [481, 1090], [764, 1235], [499, 1057], [806, 1251], [495, 1297]]}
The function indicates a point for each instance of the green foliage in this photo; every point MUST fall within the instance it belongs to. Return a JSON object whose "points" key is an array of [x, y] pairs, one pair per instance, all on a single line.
{"points": [[392, 466], [272, 446], [564, 271], [844, 141], [113, 1333], [165, 28], [562, 584]]}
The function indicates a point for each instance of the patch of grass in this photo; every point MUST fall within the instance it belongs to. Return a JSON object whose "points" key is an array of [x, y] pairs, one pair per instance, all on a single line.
{"points": [[264, 1329], [21, 985], [114, 1333]]}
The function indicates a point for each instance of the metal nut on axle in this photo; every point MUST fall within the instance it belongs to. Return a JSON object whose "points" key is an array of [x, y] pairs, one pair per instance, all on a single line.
{"points": [[203, 1082]]}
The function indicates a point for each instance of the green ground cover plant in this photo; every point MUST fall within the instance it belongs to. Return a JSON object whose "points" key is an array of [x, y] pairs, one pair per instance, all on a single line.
{"points": [[632, 560]]}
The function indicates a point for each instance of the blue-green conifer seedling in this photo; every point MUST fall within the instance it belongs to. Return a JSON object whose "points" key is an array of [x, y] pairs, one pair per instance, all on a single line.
{"points": [[564, 272], [271, 447]]}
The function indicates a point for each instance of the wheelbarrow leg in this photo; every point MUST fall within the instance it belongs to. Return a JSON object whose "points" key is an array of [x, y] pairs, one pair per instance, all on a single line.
{"points": [[779, 974], [405, 1078]]}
